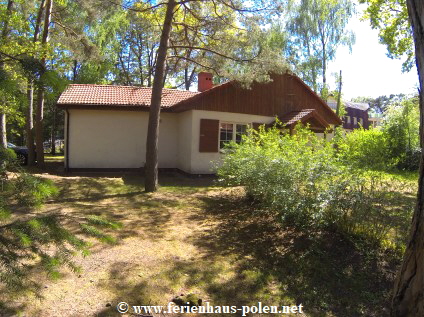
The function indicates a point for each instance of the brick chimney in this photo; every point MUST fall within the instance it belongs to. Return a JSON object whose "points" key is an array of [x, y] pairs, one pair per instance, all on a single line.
{"points": [[204, 81]]}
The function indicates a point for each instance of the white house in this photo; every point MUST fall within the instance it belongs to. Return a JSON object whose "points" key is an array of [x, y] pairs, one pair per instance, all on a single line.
{"points": [[106, 126]]}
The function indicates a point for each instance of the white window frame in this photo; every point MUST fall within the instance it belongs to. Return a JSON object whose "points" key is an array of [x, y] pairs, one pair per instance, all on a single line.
{"points": [[348, 119], [248, 125], [355, 120]]}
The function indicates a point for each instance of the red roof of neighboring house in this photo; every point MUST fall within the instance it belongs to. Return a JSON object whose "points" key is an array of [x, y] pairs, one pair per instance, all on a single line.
{"points": [[109, 95]]}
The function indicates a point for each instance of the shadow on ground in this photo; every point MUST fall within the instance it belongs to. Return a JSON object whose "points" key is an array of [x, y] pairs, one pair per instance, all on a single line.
{"points": [[242, 254], [322, 270], [246, 257]]}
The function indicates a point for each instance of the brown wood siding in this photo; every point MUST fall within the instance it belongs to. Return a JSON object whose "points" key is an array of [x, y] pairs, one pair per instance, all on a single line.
{"points": [[209, 135], [284, 94]]}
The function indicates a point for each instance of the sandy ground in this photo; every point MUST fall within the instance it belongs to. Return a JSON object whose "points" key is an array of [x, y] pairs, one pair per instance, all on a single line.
{"points": [[152, 261]]}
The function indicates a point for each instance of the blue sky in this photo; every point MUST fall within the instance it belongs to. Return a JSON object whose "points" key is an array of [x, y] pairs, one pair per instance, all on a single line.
{"points": [[367, 71]]}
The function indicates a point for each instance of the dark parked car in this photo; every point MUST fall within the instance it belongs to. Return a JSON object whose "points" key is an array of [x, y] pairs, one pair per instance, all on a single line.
{"points": [[21, 153]]}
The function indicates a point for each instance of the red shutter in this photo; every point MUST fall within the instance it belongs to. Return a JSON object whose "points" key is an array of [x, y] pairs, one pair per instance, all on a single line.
{"points": [[209, 135]]}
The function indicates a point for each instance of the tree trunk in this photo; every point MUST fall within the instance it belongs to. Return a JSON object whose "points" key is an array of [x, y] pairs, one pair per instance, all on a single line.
{"points": [[151, 167], [30, 95], [408, 295], [9, 9], [188, 78], [4, 33], [75, 71], [324, 72], [39, 115], [30, 125], [39, 127], [311, 62], [339, 97], [53, 134], [186, 81], [3, 139]]}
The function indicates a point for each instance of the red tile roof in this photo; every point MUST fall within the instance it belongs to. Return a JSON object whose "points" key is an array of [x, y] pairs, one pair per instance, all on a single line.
{"points": [[290, 119], [109, 95], [295, 116]]}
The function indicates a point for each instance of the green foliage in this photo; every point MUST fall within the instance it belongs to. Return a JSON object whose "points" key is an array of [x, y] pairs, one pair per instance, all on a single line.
{"points": [[33, 191], [102, 222], [7, 156], [380, 104], [94, 225], [316, 29], [367, 149], [394, 144], [286, 173], [23, 242], [304, 181], [29, 240], [370, 205], [401, 125], [390, 17], [23, 246]]}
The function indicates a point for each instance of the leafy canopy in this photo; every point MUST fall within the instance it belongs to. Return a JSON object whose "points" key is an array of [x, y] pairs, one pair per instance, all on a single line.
{"points": [[390, 18]]}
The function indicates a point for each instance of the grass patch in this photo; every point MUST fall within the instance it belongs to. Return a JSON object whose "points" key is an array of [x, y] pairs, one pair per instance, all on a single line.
{"points": [[59, 158]]}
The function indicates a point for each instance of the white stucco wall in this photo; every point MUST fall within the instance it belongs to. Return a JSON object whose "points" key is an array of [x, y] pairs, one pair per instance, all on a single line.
{"points": [[168, 140], [185, 140], [65, 150], [117, 139]]}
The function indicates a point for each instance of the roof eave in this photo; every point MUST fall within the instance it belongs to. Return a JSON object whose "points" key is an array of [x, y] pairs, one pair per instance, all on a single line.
{"points": [[108, 107]]}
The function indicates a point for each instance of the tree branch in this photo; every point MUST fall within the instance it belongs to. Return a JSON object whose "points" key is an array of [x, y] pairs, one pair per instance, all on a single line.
{"points": [[215, 52], [197, 63], [138, 10]]}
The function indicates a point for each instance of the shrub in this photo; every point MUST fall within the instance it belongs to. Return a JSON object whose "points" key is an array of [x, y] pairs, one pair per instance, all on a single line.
{"points": [[410, 161], [366, 149], [303, 181], [7, 158], [401, 125], [371, 205], [7, 155], [286, 173]]}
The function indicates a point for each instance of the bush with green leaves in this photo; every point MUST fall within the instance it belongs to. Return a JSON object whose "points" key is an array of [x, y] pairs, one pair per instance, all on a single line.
{"points": [[286, 173], [395, 145], [371, 205], [7, 156], [305, 183], [365, 149], [401, 126]]}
